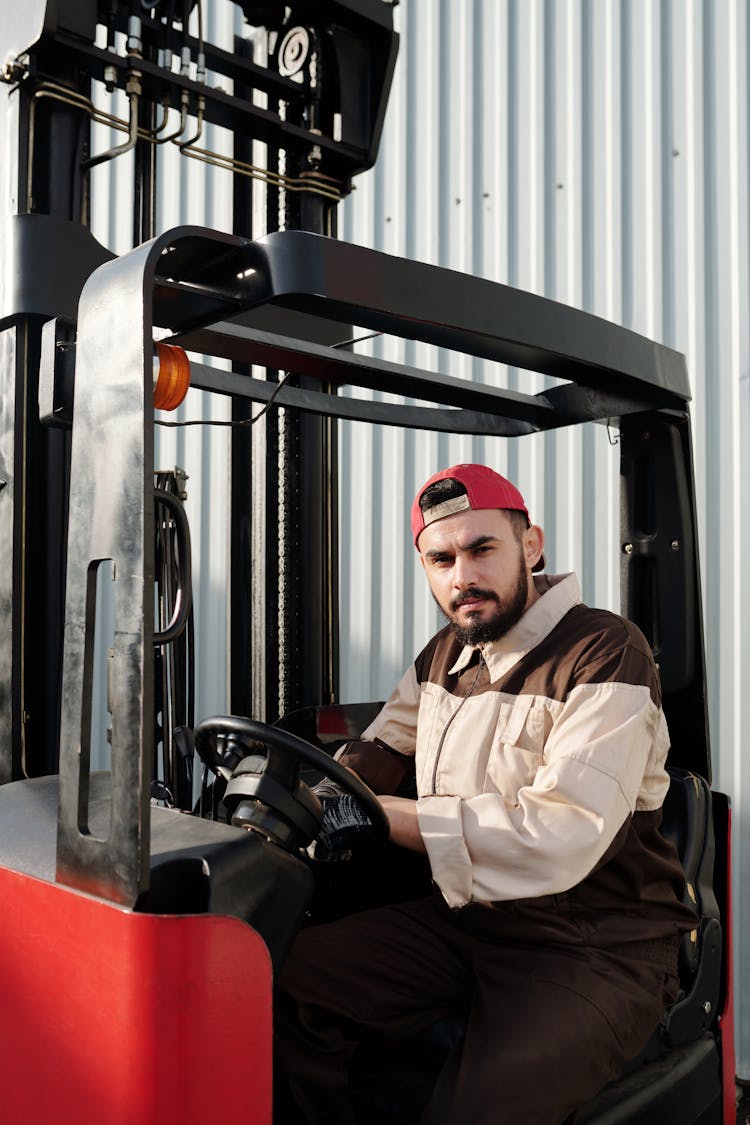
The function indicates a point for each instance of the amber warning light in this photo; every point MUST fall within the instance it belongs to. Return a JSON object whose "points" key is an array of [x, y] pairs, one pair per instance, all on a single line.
{"points": [[171, 376]]}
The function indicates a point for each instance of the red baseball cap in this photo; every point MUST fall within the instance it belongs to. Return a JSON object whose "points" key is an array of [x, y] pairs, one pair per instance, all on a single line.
{"points": [[484, 489]]}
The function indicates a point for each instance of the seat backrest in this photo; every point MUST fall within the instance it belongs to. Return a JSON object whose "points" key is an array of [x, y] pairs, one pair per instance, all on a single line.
{"points": [[688, 823], [329, 725]]}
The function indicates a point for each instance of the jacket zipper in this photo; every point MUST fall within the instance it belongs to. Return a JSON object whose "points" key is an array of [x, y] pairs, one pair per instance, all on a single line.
{"points": [[450, 720]]}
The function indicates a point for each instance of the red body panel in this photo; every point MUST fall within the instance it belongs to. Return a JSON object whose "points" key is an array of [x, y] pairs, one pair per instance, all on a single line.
{"points": [[108, 1016]]}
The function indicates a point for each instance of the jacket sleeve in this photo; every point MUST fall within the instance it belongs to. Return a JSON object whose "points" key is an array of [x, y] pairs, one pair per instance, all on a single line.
{"points": [[384, 754], [603, 760]]}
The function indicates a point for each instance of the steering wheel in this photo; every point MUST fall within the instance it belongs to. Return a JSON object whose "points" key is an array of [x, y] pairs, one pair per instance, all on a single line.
{"points": [[267, 795]]}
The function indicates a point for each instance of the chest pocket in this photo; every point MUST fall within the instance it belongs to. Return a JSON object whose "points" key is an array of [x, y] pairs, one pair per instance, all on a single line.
{"points": [[517, 748]]}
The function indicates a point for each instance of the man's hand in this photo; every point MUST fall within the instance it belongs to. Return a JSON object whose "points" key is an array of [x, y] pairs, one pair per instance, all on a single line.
{"points": [[345, 824], [402, 816]]}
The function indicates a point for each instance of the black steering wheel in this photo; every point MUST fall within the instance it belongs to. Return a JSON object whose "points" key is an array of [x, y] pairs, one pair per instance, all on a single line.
{"points": [[268, 795]]}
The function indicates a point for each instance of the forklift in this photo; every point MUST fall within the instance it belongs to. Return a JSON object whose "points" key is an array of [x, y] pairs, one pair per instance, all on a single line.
{"points": [[145, 916]]}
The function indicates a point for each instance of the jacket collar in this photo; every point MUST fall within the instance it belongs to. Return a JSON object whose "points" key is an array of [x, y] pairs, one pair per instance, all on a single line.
{"points": [[560, 592]]}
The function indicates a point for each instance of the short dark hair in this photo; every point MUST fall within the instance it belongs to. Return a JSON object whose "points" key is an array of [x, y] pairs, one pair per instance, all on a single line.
{"points": [[445, 489], [448, 489]]}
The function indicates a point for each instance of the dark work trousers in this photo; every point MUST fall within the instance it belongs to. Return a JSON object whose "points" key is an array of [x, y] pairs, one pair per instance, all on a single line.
{"points": [[550, 1018]]}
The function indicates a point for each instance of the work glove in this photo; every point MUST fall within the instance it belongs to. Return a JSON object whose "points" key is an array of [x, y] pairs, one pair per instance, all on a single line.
{"points": [[345, 824]]}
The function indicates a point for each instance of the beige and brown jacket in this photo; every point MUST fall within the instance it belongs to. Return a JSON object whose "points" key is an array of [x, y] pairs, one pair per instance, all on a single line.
{"points": [[539, 761]]}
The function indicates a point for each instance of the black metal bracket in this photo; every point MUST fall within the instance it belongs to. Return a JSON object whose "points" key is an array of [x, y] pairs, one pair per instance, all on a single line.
{"points": [[326, 94]]}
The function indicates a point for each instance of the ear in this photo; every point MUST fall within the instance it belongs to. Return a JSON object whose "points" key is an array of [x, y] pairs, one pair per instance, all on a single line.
{"points": [[533, 545]]}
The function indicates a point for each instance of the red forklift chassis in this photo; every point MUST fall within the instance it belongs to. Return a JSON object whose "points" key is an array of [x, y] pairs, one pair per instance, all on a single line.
{"points": [[118, 964], [114, 1016]]}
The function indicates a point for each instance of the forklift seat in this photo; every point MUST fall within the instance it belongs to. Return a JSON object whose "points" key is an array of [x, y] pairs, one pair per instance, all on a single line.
{"points": [[677, 1075]]}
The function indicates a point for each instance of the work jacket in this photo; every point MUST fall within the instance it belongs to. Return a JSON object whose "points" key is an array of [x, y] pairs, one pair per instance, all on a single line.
{"points": [[540, 763]]}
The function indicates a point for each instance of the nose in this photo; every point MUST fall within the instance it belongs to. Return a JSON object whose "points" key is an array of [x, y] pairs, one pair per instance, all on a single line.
{"points": [[464, 572]]}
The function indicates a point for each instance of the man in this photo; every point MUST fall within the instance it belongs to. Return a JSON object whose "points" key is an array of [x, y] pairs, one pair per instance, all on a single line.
{"points": [[536, 731]]}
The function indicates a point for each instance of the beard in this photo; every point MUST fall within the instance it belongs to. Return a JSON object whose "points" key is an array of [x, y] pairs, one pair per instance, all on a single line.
{"points": [[509, 610]]}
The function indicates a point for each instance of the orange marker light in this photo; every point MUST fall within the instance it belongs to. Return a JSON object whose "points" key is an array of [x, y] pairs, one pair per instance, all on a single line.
{"points": [[171, 376]]}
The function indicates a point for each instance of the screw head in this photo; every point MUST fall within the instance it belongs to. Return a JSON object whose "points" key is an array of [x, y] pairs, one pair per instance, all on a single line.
{"points": [[627, 548]]}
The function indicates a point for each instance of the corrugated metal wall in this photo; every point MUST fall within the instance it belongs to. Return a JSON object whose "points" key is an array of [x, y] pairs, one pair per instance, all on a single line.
{"points": [[595, 151]]}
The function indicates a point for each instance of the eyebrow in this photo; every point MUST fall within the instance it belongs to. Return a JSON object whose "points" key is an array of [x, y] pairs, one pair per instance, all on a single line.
{"points": [[472, 546]]}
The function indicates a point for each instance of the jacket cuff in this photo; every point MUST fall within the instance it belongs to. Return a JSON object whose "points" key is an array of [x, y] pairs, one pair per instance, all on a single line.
{"points": [[441, 829]]}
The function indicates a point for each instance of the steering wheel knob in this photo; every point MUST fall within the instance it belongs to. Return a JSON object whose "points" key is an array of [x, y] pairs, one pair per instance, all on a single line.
{"points": [[256, 800]]}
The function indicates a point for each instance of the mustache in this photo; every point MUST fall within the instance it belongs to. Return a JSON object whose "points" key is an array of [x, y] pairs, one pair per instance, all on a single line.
{"points": [[471, 594]]}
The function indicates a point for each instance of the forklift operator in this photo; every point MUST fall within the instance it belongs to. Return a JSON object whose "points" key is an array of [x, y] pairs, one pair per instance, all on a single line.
{"points": [[535, 727]]}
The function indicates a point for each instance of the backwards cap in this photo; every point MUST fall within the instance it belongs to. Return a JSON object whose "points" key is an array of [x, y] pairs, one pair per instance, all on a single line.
{"points": [[484, 489]]}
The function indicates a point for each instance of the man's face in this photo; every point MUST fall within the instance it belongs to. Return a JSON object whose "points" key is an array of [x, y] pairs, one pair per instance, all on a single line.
{"points": [[479, 572]]}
